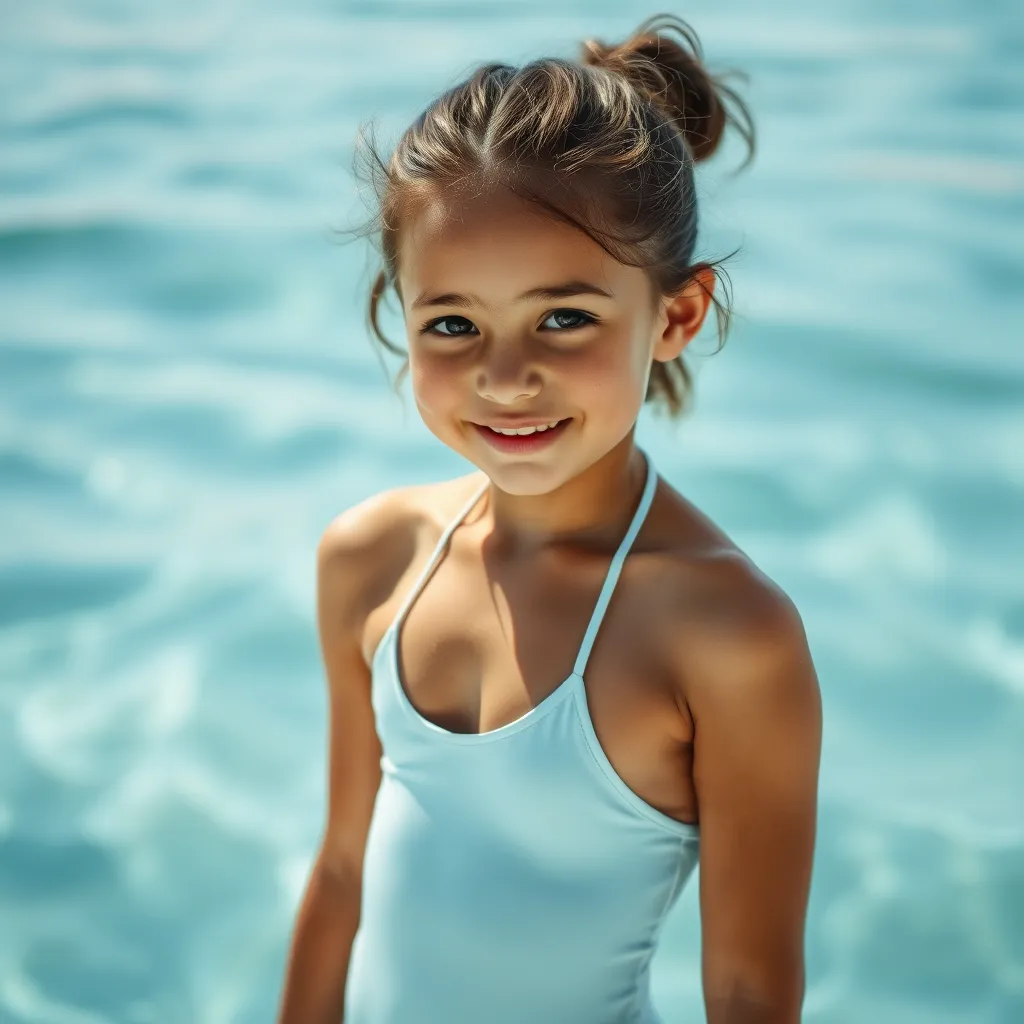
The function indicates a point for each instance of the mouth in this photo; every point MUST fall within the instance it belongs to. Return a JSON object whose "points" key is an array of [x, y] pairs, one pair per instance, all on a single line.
{"points": [[534, 438]]}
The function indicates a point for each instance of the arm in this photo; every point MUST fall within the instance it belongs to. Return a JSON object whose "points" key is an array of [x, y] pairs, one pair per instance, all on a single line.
{"points": [[327, 920], [756, 707]]}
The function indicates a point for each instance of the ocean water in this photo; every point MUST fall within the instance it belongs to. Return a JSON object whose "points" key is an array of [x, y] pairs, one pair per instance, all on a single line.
{"points": [[188, 395]]}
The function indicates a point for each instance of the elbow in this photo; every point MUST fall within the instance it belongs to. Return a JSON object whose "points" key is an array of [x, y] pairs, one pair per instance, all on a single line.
{"points": [[741, 1001]]}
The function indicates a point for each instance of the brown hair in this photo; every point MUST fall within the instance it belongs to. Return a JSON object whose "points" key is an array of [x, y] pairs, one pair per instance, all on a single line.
{"points": [[606, 143]]}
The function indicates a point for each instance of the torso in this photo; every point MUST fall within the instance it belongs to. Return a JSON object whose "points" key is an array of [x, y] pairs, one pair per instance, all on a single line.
{"points": [[484, 643]]}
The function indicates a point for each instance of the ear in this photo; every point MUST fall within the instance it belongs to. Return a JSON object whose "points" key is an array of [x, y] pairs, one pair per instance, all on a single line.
{"points": [[683, 314]]}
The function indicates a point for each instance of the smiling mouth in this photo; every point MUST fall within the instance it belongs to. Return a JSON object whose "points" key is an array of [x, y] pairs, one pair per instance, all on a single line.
{"points": [[534, 439], [524, 431]]}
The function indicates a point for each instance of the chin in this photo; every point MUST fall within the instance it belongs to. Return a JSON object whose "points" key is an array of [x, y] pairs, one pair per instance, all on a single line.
{"points": [[525, 478]]}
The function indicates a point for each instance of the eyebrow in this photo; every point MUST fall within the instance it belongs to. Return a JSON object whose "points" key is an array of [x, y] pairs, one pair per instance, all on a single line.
{"points": [[551, 291]]}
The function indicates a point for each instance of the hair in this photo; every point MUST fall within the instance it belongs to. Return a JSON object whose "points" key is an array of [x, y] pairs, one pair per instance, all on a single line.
{"points": [[607, 143]]}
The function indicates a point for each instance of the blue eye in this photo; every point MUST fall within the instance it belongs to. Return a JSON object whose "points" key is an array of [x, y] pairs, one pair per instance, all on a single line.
{"points": [[583, 319], [456, 326], [431, 326]]}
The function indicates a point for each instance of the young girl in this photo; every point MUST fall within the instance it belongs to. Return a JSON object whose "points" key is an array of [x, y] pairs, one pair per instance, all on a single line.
{"points": [[554, 684]]}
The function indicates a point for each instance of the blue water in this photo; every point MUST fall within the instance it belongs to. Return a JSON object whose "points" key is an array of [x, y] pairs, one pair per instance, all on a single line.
{"points": [[188, 395]]}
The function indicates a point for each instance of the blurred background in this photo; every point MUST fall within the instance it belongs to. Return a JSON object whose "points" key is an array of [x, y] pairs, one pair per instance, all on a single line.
{"points": [[188, 395]]}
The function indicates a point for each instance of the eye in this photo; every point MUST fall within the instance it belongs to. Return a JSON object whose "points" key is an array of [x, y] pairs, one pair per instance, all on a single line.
{"points": [[462, 326], [582, 319]]}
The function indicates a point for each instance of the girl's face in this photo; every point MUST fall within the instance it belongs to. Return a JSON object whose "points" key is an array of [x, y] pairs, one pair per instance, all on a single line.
{"points": [[514, 318]]}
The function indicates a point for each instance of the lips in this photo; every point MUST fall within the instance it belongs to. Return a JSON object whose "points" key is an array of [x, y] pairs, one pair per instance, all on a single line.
{"points": [[522, 443], [522, 424]]}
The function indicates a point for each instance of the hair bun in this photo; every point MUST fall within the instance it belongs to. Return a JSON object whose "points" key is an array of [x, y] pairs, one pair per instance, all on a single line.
{"points": [[672, 75]]}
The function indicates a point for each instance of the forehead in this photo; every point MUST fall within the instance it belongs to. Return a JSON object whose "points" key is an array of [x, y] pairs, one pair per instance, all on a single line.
{"points": [[500, 245]]}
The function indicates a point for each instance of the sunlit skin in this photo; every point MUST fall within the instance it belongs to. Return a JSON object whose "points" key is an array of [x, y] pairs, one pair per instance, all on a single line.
{"points": [[480, 352], [703, 693], [701, 690], [750, 735]]}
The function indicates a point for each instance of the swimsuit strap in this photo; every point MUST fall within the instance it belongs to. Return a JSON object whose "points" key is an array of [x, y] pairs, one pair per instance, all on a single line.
{"points": [[437, 552], [610, 580], [616, 567]]}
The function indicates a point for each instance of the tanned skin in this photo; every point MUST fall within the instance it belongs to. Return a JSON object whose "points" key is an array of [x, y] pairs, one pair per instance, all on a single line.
{"points": [[701, 684]]}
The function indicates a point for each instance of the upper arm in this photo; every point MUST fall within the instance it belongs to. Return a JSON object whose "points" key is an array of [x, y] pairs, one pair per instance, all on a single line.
{"points": [[756, 708], [350, 556]]}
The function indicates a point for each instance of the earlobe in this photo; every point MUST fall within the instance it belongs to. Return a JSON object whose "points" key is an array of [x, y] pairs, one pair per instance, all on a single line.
{"points": [[685, 314]]}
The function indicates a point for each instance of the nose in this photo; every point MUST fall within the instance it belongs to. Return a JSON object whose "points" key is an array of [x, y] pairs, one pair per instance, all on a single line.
{"points": [[504, 376]]}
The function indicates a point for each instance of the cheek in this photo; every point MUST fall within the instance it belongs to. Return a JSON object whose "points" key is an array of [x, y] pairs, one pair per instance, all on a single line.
{"points": [[611, 374], [436, 388]]}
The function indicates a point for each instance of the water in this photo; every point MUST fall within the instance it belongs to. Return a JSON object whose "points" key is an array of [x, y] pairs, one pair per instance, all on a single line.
{"points": [[187, 396]]}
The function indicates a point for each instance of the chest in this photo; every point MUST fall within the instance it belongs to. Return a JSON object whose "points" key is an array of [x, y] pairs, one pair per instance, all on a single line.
{"points": [[481, 646]]}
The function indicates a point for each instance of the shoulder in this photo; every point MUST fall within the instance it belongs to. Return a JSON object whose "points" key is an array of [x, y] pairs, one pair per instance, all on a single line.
{"points": [[744, 626], [729, 627], [750, 688], [744, 676], [364, 550]]}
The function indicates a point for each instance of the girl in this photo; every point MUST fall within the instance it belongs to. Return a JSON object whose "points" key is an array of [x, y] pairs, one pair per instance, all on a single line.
{"points": [[554, 684]]}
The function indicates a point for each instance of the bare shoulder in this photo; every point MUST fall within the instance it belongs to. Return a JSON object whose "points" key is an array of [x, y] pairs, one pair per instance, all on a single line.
{"points": [[365, 550], [728, 621], [746, 623], [745, 676]]}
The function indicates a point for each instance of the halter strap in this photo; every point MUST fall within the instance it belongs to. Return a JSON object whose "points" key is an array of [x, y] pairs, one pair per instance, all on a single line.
{"points": [[436, 554], [610, 580], [616, 567]]}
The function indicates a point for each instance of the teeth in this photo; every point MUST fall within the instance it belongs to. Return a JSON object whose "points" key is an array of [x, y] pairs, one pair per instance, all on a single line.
{"points": [[525, 430]]}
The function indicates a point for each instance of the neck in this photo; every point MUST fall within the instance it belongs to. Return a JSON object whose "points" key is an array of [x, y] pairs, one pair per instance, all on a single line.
{"points": [[593, 508]]}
